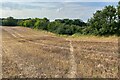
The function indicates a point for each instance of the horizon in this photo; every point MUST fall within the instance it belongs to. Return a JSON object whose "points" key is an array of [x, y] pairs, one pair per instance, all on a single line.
{"points": [[52, 10]]}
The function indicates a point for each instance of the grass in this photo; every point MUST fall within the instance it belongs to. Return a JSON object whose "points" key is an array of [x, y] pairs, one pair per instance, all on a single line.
{"points": [[89, 51], [78, 36], [94, 38], [84, 37]]}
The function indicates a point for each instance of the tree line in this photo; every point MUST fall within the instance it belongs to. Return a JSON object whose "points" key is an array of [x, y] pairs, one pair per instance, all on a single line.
{"points": [[104, 22], [59, 26]]}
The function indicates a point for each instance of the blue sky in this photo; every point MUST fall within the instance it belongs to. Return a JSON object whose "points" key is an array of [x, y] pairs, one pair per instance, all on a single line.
{"points": [[52, 9]]}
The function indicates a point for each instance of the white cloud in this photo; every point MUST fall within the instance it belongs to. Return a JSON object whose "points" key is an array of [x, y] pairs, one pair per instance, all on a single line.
{"points": [[53, 10], [59, 9]]}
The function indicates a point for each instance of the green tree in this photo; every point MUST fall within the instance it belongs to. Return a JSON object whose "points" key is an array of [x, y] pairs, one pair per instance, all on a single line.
{"points": [[118, 11], [41, 24], [103, 22], [9, 21], [27, 23], [52, 26], [78, 22], [118, 17]]}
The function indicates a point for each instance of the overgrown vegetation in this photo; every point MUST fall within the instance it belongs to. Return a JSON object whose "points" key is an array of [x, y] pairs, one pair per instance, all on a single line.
{"points": [[104, 22]]}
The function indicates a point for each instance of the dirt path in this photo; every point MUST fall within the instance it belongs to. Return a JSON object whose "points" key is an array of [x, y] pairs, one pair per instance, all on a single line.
{"points": [[73, 65]]}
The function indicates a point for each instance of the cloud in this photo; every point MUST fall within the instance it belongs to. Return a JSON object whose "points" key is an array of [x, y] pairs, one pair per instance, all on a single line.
{"points": [[52, 10], [18, 6], [30, 5], [59, 9]]}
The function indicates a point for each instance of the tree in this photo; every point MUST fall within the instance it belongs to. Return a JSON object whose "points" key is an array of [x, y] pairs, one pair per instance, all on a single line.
{"points": [[27, 23], [76, 22], [118, 11], [104, 21], [9, 21], [79, 22], [41, 24], [118, 17], [53, 26]]}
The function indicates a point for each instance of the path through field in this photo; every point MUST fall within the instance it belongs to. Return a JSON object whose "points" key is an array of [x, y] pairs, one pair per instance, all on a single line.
{"points": [[30, 53], [73, 69]]}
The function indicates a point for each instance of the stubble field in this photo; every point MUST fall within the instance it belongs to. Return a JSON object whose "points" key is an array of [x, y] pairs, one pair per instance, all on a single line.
{"points": [[28, 53]]}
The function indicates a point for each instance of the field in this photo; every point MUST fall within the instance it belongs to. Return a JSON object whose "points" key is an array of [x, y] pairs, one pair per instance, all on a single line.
{"points": [[31, 53]]}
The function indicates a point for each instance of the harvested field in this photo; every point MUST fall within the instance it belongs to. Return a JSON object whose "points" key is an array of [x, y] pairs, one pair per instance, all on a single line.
{"points": [[30, 53]]}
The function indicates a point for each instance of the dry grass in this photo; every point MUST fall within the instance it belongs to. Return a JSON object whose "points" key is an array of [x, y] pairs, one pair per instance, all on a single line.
{"points": [[95, 38], [41, 54], [96, 59]]}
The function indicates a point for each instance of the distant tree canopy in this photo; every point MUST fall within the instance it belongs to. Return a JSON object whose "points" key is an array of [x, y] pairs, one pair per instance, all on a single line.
{"points": [[76, 22], [59, 26], [104, 22], [10, 21]]}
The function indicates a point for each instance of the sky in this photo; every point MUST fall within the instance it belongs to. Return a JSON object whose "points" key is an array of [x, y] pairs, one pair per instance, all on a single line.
{"points": [[53, 9]]}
